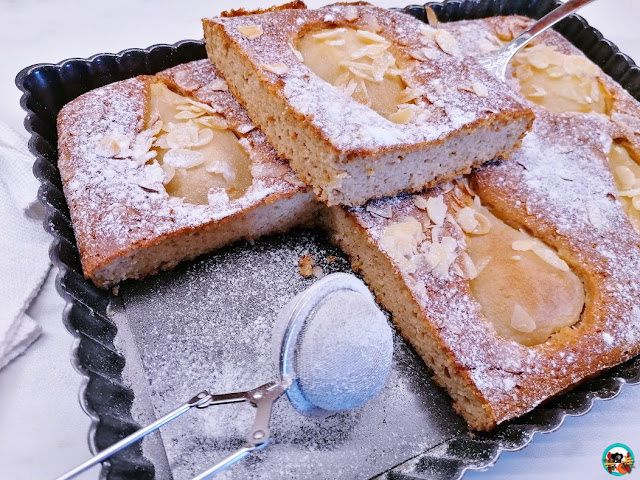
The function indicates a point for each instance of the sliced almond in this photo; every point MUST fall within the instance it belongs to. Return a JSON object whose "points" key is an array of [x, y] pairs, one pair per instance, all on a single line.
{"points": [[277, 68], [329, 34], [437, 209], [296, 53], [420, 202], [467, 219], [370, 36], [446, 42], [384, 211], [245, 128], [218, 85], [251, 31], [183, 158], [480, 89], [626, 178], [432, 18], [521, 320], [402, 116], [550, 257], [523, 245]]}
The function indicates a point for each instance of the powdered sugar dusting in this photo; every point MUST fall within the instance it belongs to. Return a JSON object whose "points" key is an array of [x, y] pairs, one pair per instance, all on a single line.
{"points": [[211, 329]]}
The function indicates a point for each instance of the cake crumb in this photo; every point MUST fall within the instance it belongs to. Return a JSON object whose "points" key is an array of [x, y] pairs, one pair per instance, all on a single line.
{"points": [[306, 264]]}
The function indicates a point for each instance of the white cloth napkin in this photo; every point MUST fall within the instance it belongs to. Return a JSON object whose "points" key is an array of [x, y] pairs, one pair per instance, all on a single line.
{"points": [[24, 245]]}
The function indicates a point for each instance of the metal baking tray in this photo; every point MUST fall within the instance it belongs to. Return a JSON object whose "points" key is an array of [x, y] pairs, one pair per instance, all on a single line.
{"points": [[162, 339]]}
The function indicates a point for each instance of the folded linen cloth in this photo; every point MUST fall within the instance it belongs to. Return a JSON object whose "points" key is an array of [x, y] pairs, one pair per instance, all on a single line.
{"points": [[24, 244]]}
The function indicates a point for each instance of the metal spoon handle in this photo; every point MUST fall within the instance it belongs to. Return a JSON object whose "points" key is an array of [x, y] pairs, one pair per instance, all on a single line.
{"points": [[551, 18], [497, 62]]}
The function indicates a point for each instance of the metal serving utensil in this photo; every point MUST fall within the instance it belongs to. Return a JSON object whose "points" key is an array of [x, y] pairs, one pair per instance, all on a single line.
{"points": [[364, 370], [497, 62]]}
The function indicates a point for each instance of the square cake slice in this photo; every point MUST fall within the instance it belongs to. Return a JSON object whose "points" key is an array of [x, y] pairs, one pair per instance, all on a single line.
{"points": [[363, 101], [160, 169]]}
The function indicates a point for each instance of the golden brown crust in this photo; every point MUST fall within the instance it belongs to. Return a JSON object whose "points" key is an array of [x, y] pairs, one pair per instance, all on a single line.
{"points": [[241, 12]]}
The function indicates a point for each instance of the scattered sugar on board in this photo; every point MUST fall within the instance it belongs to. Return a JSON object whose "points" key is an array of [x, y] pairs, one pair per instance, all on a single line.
{"points": [[207, 325]]}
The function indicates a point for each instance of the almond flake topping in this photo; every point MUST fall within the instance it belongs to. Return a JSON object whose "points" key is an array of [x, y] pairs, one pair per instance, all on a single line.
{"points": [[446, 42], [384, 212], [251, 31], [480, 89], [437, 209], [277, 68], [542, 251], [218, 85], [401, 240], [521, 320]]}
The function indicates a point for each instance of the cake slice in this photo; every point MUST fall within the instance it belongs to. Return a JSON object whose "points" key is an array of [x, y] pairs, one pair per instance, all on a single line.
{"points": [[159, 169], [363, 101]]}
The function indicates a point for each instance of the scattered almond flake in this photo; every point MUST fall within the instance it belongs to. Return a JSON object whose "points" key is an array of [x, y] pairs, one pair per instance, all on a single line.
{"points": [[306, 264], [402, 116], [245, 128], [400, 241], [185, 80], [468, 267], [111, 145], [625, 177], [594, 213], [436, 233], [251, 31], [523, 245], [420, 202], [484, 224], [182, 158], [521, 320], [441, 255], [202, 106], [446, 42], [427, 31], [539, 92], [350, 13], [115, 290], [429, 53], [516, 257], [467, 219], [169, 173], [373, 50], [630, 193], [350, 88], [223, 168], [372, 37], [551, 257], [215, 122], [186, 115], [296, 53], [457, 270], [635, 202], [317, 271], [446, 187], [329, 34], [432, 18], [437, 209], [217, 85], [410, 94], [480, 89], [482, 263], [277, 68], [339, 42], [385, 211], [417, 55]]}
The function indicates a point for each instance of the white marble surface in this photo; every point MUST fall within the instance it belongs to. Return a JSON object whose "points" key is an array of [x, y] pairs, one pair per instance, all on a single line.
{"points": [[43, 430]]}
